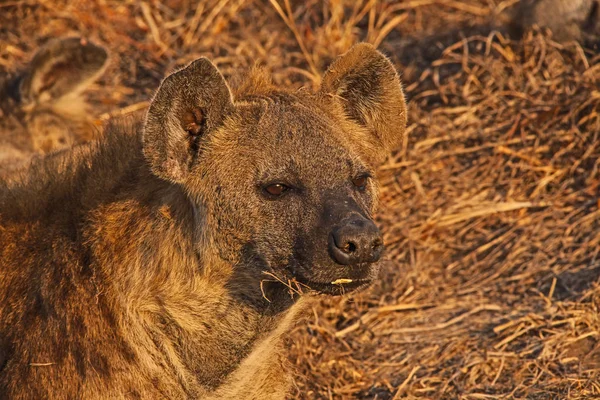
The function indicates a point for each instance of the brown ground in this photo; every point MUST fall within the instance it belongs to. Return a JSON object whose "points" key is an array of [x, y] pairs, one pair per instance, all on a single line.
{"points": [[491, 213]]}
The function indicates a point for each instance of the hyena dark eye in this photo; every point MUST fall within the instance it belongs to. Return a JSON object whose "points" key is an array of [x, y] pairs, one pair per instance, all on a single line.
{"points": [[360, 181], [276, 189]]}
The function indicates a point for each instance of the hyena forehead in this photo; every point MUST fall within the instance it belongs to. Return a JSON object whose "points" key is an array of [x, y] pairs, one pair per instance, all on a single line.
{"points": [[284, 135]]}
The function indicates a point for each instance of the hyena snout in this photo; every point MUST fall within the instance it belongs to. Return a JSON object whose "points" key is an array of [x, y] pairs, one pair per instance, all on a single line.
{"points": [[356, 240]]}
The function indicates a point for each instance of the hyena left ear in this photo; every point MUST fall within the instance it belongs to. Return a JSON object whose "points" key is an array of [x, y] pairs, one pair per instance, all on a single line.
{"points": [[367, 87], [189, 104]]}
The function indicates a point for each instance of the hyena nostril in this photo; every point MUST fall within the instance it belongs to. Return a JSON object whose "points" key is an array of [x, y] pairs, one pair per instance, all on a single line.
{"points": [[349, 247]]}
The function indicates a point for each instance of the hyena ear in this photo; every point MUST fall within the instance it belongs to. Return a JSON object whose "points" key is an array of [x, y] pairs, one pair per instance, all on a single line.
{"points": [[365, 84], [62, 67], [188, 104]]}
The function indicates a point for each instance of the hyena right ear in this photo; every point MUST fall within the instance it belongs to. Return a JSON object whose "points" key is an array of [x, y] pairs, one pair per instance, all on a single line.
{"points": [[188, 104], [62, 67]]}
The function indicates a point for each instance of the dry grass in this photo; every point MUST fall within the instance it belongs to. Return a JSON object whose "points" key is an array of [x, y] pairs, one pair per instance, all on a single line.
{"points": [[491, 213]]}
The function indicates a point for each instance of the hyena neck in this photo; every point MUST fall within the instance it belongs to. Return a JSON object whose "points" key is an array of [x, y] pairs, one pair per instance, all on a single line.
{"points": [[256, 291]]}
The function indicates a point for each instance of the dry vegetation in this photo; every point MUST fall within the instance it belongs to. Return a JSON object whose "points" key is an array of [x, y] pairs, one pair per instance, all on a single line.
{"points": [[491, 212]]}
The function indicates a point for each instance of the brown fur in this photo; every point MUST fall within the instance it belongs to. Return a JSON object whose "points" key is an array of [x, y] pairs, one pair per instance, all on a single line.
{"points": [[41, 108], [138, 271]]}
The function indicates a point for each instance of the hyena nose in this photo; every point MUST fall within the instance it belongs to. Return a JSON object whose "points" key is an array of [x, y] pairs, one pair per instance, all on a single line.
{"points": [[358, 240]]}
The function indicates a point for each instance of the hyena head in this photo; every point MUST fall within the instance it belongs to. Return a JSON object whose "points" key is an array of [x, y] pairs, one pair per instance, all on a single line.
{"points": [[40, 107], [286, 180]]}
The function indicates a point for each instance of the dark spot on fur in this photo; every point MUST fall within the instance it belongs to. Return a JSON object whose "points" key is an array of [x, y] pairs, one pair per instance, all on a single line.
{"points": [[207, 327], [155, 382], [80, 362], [100, 365], [78, 326], [41, 308], [4, 351], [108, 316]]}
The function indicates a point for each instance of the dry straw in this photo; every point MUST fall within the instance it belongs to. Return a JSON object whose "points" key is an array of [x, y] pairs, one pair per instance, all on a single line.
{"points": [[491, 212]]}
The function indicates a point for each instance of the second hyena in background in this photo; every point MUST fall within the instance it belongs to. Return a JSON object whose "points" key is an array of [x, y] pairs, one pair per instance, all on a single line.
{"points": [[41, 107], [567, 19]]}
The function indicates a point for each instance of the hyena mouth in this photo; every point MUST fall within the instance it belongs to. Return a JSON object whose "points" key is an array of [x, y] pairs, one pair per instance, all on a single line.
{"points": [[337, 287], [336, 284]]}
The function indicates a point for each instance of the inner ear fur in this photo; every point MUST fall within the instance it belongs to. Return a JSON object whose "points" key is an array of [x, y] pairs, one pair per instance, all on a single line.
{"points": [[367, 85], [189, 104]]}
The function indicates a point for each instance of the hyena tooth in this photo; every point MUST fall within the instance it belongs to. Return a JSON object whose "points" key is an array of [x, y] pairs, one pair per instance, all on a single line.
{"points": [[341, 281]]}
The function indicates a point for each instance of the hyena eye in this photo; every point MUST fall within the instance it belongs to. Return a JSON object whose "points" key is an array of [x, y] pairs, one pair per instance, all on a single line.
{"points": [[360, 181], [276, 189]]}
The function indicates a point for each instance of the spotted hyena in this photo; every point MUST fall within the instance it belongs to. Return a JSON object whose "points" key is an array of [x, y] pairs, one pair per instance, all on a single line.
{"points": [[41, 107], [170, 259]]}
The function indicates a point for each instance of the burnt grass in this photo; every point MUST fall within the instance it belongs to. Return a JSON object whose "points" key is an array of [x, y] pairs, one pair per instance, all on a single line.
{"points": [[491, 215]]}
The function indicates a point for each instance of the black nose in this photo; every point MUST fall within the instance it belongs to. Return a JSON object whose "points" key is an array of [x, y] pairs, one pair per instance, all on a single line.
{"points": [[358, 240]]}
